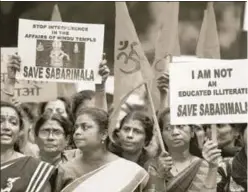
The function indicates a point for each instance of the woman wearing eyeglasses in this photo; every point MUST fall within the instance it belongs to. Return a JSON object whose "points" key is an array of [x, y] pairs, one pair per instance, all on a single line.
{"points": [[52, 133]]}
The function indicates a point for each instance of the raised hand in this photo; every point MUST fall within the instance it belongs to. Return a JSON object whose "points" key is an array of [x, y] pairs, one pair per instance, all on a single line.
{"points": [[164, 162], [163, 83], [14, 64], [104, 70], [211, 153]]}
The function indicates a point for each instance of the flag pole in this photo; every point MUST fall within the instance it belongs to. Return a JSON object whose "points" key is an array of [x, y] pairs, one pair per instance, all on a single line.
{"points": [[160, 139]]}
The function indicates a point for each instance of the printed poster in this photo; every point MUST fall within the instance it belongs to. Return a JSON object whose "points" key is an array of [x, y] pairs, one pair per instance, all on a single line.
{"points": [[59, 51], [27, 91], [209, 92]]}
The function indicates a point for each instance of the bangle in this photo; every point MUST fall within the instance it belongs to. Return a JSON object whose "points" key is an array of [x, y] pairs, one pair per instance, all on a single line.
{"points": [[7, 93]]}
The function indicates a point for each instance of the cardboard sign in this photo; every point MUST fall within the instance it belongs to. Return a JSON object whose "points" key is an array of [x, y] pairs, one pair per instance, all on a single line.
{"points": [[208, 91], [59, 51]]}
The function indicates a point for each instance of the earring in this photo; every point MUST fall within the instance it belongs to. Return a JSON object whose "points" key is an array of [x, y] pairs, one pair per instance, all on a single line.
{"points": [[102, 141]]}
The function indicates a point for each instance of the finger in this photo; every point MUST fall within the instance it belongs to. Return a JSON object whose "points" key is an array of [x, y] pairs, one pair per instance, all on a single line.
{"points": [[163, 78], [215, 151], [163, 84], [164, 154], [104, 61], [214, 157], [211, 147]]}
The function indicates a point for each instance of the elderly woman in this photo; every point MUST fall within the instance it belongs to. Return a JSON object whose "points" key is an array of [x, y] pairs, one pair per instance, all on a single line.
{"points": [[181, 168], [19, 172], [52, 133], [97, 168]]}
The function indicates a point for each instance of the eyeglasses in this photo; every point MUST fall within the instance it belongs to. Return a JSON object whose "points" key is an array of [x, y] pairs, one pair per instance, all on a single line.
{"points": [[47, 132]]}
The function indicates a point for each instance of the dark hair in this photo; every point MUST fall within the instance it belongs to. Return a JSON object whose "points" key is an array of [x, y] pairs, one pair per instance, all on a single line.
{"points": [[28, 109], [243, 127], [99, 115], [67, 107], [63, 122], [193, 144], [18, 111], [145, 120], [79, 98]]}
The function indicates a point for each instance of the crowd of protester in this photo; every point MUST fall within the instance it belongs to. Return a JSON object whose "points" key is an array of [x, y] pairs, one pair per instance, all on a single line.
{"points": [[65, 144]]}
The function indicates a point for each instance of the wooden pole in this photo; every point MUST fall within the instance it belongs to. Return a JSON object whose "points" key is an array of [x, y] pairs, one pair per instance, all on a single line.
{"points": [[160, 139]]}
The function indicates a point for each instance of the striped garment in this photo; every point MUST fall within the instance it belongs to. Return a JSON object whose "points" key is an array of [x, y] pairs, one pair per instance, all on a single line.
{"points": [[25, 174]]}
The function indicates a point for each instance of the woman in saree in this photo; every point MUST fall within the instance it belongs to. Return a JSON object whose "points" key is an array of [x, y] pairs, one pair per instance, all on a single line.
{"points": [[134, 135], [232, 171], [19, 172], [52, 133], [181, 169], [97, 169]]}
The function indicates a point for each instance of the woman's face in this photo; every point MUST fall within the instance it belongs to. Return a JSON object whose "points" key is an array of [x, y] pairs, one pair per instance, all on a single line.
{"points": [[176, 136], [87, 133], [51, 137], [225, 134], [132, 136], [56, 107], [10, 126]]}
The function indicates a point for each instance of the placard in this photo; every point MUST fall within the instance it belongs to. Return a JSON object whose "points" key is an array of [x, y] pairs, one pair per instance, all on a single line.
{"points": [[59, 51], [209, 91]]}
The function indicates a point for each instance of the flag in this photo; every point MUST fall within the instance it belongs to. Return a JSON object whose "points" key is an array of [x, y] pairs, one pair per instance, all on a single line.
{"points": [[208, 45], [167, 44], [131, 67], [64, 89]]}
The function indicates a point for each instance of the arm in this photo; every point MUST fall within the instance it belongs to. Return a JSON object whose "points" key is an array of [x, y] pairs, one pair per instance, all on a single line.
{"points": [[159, 170], [210, 184], [100, 96], [163, 86], [211, 154]]}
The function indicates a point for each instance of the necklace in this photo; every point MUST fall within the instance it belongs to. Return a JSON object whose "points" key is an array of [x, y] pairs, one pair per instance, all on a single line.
{"points": [[190, 161]]}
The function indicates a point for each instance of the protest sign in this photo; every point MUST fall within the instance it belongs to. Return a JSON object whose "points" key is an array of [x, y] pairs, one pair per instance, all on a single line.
{"points": [[209, 91], [27, 91], [59, 51]]}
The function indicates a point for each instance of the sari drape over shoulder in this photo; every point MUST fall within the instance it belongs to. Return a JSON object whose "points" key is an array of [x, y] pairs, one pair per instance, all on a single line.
{"points": [[118, 176], [25, 174], [190, 179]]}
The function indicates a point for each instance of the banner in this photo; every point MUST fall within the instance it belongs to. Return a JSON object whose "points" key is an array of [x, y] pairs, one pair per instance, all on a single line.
{"points": [[209, 91], [27, 91], [208, 45], [60, 52]]}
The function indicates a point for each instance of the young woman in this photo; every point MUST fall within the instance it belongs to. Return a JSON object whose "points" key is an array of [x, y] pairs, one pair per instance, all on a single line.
{"points": [[98, 169], [19, 172], [135, 133], [181, 168]]}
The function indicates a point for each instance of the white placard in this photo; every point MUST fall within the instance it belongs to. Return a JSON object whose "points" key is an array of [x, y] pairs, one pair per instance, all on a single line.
{"points": [[60, 51], [27, 91], [209, 92]]}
